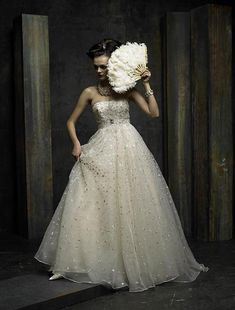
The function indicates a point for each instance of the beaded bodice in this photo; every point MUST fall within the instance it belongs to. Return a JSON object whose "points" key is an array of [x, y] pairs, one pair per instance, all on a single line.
{"points": [[111, 112]]}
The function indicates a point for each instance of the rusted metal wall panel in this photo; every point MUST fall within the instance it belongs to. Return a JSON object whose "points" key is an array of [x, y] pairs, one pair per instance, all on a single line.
{"points": [[199, 119], [212, 121], [220, 123], [199, 95], [178, 114], [33, 125]]}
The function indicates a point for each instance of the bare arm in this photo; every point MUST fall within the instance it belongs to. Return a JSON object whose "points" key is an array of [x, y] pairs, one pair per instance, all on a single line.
{"points": [[81, 104], [148, 105]]}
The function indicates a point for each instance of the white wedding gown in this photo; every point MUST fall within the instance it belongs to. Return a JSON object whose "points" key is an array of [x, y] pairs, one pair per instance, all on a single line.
{"points": [[116, 223]]}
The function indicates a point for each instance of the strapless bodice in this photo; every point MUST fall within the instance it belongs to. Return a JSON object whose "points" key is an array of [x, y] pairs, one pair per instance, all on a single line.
{"points": [[116, 224], [111, 112]]}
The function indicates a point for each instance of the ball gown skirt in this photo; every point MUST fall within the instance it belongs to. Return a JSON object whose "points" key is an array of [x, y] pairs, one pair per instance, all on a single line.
{"points": [[116, 223]]}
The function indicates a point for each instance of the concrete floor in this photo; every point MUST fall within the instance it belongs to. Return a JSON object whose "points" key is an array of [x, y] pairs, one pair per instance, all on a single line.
{"points": [[212, 290]]}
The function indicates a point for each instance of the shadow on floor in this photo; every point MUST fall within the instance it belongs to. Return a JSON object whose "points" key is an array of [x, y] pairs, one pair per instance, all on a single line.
{"points": [[20, 271]]}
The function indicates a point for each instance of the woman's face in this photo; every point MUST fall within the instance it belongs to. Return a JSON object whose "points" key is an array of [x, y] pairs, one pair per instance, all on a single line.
{"points": [[100, 65]]}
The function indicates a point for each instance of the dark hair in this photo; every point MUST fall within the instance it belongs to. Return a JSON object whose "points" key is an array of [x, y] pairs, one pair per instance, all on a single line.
{"points": [[104, 47]]}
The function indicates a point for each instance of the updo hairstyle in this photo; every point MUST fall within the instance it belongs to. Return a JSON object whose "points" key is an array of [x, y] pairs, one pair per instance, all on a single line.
{"points": [[104, 47]]}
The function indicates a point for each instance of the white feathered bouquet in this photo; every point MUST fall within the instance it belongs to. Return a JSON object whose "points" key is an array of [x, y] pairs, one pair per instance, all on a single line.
{"points": [[125, 66]]}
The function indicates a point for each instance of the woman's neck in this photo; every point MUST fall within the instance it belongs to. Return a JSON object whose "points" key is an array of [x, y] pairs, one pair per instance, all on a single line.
{"points": [[104, 83], [105, 89]]}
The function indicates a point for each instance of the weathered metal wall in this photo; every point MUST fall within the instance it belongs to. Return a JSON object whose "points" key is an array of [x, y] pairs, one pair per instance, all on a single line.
{"points": [[33, 125], [177, 125], [211, 28], [73, 27], [199, 118]]}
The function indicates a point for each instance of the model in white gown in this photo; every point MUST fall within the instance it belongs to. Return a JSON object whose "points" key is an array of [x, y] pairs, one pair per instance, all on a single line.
{"points": [[116, 223]]}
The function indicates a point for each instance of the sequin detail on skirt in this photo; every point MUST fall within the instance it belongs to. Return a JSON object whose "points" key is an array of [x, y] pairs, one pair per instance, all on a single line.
{"points": [[116, 223]]}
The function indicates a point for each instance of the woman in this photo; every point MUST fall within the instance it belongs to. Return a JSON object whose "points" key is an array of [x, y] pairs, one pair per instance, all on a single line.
{"points": [[116, 223]]}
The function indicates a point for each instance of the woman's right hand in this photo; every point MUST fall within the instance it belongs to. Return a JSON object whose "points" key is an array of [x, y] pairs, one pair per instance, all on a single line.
{"points": [[76, 152]]}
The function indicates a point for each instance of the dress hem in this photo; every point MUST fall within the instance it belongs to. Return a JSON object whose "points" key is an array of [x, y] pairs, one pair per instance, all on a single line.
{"points": [[109, 286]]}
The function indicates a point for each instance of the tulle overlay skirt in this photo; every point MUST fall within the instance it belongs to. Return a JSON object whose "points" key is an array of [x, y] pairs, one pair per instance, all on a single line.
{"points": [[116, 223]]}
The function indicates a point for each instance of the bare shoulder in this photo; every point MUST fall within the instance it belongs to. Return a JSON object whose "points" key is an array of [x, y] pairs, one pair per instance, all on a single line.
{"points": [[90, 90], [88, 93]]}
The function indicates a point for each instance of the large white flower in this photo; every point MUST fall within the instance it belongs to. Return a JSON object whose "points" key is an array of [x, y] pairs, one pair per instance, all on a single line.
{"points": [[126, 64]]}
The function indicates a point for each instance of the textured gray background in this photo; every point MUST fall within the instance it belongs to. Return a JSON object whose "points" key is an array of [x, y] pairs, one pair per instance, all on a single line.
{"points": [[73, 27]]}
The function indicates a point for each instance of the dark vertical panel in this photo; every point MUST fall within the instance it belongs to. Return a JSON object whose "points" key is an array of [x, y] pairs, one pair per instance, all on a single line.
{"points": [[220, 122], [200, 93], [212, 121], [163, 26], [178, 110], [19, 131], [34, 124]]}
